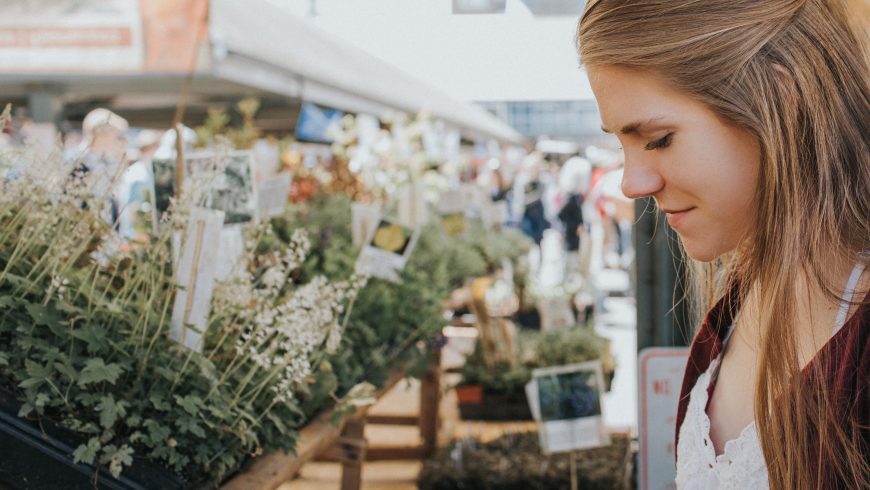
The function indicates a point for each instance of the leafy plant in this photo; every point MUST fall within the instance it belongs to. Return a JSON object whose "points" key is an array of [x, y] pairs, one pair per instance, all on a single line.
{"points": [[84, 333], [537, 350]]}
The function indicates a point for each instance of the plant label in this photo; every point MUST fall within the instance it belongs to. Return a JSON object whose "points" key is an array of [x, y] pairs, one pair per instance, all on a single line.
{"points": [[364, 217], [195, 277], [566, 403], [387, 251], [272, 195]]}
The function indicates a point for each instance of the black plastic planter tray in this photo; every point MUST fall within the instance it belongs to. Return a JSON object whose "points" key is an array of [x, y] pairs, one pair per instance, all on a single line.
{"points": [[40, 457], [495, 407]]}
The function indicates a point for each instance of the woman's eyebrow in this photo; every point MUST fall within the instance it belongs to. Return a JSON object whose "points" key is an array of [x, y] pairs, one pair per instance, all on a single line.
{"points": [[635, 127]]}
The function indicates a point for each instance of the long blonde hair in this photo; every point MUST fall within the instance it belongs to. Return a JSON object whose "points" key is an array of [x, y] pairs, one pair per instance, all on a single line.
{"points": [[796, 75]]}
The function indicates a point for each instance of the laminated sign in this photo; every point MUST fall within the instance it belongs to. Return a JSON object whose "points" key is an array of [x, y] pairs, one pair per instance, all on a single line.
{"points": [[195, 277], [661, 375], [566, 403], [387, 251]]}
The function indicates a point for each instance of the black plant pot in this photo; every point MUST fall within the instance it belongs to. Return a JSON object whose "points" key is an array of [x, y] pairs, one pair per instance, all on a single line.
{"points": [[40, 457]]}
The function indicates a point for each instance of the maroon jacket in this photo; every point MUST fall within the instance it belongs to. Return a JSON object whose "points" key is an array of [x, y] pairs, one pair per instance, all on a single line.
{"points": [[844, 362]]}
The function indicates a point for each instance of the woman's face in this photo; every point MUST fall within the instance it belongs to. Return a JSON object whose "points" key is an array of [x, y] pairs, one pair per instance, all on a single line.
{"points": [[701, 171]]}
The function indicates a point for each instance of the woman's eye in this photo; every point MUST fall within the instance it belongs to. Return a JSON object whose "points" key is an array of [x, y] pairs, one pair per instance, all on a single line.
{"points": [[660, 143]]}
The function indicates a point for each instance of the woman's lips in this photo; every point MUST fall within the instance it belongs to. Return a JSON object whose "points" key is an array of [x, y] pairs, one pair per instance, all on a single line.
{"points": [[675, 217]]}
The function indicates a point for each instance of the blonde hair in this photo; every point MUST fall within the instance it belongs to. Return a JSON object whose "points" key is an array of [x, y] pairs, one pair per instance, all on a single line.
{"points": [[796, 75]]}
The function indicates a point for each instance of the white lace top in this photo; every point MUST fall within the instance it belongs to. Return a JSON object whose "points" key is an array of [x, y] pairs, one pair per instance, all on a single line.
{"points": [[741, 465]]}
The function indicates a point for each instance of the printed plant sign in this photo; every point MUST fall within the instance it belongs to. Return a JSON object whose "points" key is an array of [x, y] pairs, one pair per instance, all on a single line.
{"points": [[566, 402], [231, 189], [388, 250]]}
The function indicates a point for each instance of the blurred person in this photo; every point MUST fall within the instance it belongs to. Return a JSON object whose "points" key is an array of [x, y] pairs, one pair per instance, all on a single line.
{"points": [[747, 124], [102, 158], [134, 189], [534, 220], [573, 183]]}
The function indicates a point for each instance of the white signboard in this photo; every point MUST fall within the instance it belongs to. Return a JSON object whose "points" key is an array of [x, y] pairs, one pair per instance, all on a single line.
{"points": [[387, 251], [70, 35], [231, 247], [566, 403], [195, 277], [272, 195], [661, 376]]}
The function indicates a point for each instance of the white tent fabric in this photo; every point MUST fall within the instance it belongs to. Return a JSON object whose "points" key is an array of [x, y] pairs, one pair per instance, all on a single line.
{"points": [[298, 59]]}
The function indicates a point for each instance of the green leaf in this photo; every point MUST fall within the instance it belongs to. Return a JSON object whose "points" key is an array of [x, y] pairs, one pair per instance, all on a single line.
{"points": [[86, 453], [25, 410], [117, 458], [4, 358], [43, 315], [190, 403], [160, 403], [97, 371], [189, 425], [110, 410], [66, 370], [7, 301], [91, 336]]}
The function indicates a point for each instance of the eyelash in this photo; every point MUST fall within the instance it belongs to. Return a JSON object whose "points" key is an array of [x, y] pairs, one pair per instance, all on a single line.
{"points": [[661, 143]]}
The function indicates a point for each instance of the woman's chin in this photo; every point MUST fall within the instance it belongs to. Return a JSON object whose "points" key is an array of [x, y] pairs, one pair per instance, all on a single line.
{"points": [[702, 252]]}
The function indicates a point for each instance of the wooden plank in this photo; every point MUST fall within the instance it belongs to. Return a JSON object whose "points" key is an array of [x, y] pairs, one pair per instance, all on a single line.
{"points": [[393, 419], [387, 453], [351, 467], [430, 400], [269, 471]]}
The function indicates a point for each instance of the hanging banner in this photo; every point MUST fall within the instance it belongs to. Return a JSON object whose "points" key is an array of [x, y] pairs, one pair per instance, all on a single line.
{"points": [[70, 36]]}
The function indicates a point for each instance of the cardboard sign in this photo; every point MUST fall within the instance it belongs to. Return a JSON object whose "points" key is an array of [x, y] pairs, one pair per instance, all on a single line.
{"points": [[566, 403], [387, 251], [272, 195], [232, 191], [364, 217], [660, 379], [195, 277]]}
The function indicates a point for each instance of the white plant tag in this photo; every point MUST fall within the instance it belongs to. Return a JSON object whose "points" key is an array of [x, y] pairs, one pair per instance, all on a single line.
{"points": [[195, 277]]}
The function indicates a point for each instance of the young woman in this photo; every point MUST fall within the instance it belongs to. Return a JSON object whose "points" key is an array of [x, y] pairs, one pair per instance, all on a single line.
{"points": [[747, 121]]}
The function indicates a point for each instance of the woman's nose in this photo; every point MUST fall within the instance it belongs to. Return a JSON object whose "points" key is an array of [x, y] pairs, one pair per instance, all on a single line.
{"points": [[640, 179]]}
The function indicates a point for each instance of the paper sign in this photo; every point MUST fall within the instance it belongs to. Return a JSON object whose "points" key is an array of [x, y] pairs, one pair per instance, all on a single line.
{"points": [[566, 403], [272, 195], [232, 190], [364, 217], [661, 376], [195, 277], [412, 205], [387, 251], [231, 247]]}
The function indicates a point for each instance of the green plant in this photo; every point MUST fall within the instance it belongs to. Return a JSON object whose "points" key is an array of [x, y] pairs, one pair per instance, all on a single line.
{"points": [[536, 350], [84, 333]]}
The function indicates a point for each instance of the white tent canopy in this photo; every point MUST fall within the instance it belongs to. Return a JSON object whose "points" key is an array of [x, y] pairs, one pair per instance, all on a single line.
{"points": [[288, 55]]}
